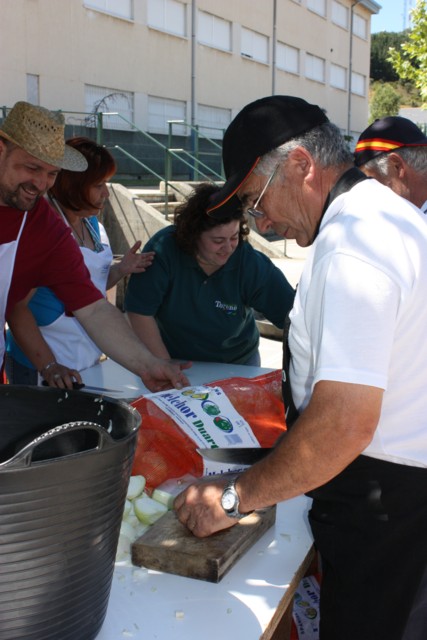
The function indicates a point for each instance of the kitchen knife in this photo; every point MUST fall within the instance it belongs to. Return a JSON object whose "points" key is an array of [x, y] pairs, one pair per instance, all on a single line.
{"points": [[81, 385], [235, 455]]}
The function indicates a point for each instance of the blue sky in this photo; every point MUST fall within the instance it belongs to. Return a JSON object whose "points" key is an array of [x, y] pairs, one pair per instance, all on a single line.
{"points": [[392, 16]]}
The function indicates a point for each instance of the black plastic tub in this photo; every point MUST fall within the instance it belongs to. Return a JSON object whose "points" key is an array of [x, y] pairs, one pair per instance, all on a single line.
{"points": [[65, 463]]}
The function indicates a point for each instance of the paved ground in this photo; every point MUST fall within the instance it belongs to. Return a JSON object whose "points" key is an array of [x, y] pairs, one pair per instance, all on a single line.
{"points": [[291, 264], [293, 259], [271, 353]]}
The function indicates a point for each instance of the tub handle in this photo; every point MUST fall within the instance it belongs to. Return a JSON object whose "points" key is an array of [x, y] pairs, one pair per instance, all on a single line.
{"points": [[24, 457]]}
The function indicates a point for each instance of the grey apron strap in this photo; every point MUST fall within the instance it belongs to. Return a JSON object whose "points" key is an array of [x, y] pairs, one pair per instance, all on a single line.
{"points": [[291, 412]]}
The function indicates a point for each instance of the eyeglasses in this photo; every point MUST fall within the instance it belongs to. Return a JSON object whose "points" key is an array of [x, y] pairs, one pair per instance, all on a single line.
{"points": [[253, 211]]}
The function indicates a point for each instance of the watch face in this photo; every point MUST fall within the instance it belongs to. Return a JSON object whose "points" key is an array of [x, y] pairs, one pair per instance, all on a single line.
{"points": [[228, 500]]}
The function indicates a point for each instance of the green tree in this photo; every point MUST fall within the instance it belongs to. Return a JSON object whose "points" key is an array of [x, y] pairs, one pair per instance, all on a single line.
{"points": [[410, 63], [381, 67], [385, 102]]}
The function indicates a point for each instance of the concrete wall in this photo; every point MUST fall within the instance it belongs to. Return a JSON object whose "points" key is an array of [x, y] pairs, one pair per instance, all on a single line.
{"points": [[128, 219]]}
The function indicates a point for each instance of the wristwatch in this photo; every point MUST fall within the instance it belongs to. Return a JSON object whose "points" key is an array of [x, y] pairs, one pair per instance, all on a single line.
{"points": [[230, 501]]}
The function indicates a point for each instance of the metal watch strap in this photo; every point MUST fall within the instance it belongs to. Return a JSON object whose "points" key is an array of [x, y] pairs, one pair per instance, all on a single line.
{"points": [[234, 513]]}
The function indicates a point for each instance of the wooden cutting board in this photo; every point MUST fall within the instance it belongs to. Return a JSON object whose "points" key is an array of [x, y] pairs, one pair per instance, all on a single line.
{"points": [[170, 547]]}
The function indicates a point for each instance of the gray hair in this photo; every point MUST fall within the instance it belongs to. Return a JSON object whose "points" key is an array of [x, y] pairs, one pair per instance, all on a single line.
{"points": [[325, 143], [415, 157]]}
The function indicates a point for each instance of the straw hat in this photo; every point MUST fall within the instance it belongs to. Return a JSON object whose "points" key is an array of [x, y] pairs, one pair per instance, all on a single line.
{"points": [[41, 134]]}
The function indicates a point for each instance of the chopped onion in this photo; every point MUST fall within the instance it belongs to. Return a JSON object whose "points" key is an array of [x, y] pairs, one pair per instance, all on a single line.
{"points": [[136, 487], [148, 510], [164, 497]]}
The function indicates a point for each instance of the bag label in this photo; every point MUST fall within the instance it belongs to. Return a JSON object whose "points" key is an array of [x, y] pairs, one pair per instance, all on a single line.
{"points": [[206, 415], [306, 613]]}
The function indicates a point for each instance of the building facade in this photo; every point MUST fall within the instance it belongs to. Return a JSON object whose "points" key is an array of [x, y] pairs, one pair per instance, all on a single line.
{"points": [[197, 61]]}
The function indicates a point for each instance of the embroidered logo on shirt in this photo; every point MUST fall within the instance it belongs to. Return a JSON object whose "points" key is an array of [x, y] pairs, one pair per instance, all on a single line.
{"points": [[229, 309]]}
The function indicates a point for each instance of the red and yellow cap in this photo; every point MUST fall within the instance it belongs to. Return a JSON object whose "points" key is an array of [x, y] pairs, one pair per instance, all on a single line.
{"points": [[386, 135]]}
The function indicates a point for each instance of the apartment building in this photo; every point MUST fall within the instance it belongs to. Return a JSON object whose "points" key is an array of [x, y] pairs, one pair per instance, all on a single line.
{"points": [[197, 61]]}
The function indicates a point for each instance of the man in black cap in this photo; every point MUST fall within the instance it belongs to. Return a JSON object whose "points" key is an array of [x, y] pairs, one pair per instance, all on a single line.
{"points": [[394, 151], [357, 368]]}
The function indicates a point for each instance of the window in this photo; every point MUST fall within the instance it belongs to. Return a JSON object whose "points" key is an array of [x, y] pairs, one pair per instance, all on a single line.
{"points": [[359, 26], [314, 68], [167, 15], [104, 100], [213, 120], [339, 14], [214, 31], [318, 6], [254, 45], [119, 8], [287, 58], [358, 84], [160, 110], [338, 76], [33, 93]]}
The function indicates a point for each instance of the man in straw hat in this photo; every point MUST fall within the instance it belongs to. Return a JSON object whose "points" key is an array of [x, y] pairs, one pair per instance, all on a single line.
{"points": [[394, 151], [36, 248], [357, 368]]}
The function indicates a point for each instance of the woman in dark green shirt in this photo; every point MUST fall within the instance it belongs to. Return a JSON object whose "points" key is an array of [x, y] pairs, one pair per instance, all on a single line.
{"points": [[197, 299]]}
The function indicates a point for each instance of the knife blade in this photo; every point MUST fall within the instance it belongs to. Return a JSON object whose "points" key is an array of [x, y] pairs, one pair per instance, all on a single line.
{"points": [[82, 385], [99, 389], [235, 455]]}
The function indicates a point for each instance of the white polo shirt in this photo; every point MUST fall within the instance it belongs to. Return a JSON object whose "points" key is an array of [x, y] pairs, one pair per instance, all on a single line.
{"points": [[360, 314]]}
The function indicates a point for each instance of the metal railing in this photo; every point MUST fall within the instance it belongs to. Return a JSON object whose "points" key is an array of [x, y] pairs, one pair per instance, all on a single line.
{"points": [[195, 137], [150, 171], [181, 155]]}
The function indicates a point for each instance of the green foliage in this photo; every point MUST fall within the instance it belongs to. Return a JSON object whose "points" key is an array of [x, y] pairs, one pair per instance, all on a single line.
{"points": [[409, 95], [410, 63], [381, 67], [385, 102]]}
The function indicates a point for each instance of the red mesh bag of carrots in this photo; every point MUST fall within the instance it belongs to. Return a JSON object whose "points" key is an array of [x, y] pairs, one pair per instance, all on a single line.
{"points": [[164, 450]]}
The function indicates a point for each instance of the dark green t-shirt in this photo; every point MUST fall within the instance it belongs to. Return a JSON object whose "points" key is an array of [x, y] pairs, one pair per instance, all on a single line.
{"points": [[208, 318]]}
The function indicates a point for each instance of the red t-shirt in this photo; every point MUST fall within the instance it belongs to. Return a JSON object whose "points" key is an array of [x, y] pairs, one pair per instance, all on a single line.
{"points": [[47, 255]]}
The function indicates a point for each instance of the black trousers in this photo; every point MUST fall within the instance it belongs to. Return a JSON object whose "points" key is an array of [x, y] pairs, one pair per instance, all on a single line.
{"points": [[370, 528]]}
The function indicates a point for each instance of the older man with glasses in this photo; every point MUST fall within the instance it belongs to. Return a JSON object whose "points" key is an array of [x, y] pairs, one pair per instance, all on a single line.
{"points": [[356, 442]]}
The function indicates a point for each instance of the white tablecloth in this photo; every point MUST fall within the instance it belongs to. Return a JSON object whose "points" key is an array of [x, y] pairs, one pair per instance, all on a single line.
{"points": [[150, 605], [110, 375]]}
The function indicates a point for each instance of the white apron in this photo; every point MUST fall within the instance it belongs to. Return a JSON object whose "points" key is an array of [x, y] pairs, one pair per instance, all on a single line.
{"points": [[7, 263], [65, 336]]}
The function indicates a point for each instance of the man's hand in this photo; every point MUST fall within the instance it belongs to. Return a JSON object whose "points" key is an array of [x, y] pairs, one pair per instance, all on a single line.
{"points": [[109, 329], [199, 508], [165, 374], [58, 375]]}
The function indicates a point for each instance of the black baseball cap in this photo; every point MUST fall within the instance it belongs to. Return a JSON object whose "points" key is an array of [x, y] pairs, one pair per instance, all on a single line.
{"points": [[258, 128], [386, 135]]}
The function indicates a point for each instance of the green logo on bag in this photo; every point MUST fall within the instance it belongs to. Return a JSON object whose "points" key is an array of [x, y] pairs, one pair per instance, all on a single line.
{"points": [[223, 423], [210, 408]]}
